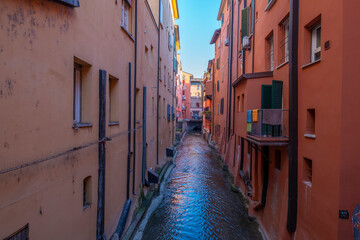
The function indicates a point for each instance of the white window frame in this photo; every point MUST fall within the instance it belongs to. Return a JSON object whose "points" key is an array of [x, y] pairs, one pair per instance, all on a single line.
{"points": [[125, 15], [314, 48], [77, 93]]}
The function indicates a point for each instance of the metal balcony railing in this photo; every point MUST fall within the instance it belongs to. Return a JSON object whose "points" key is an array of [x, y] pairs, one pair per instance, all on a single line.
{"points": [[268, 125]]}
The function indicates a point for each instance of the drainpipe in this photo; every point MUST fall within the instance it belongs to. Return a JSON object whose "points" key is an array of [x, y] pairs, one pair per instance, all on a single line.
{"points": [[144, 139], [158, 92], [129, 139], [135, 131], [231, 58], [101, 156], [253, 38], [293, 115]]}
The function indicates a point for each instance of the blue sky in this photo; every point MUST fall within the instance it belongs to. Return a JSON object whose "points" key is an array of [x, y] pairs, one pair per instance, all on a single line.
{"points": [[197, 24]]}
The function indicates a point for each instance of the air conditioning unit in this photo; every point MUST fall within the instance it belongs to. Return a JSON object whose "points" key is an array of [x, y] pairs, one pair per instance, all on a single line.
{"points": [[227, 41], [246, 43]]}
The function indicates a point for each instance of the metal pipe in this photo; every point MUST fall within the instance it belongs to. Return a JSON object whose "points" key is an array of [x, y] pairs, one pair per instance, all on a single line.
{"points": [[135, 67], [158, 91], [253, 38], [144, 138], [129, 139], [101, 156], [293, 115], [230, 63]]}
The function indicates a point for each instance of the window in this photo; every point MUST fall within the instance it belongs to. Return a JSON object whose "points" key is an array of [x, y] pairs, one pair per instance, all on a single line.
{"points": [[307, 171], [316, 43], [284, 41], [239, 104], [222, 106], [126, 16], [218, 109], [310, 123], [82, 89], [222, 19], [169, 43], [87, 192], [227, 36], [153, 106], [219, 41], [77, 92], [270, 53], [278, 159], [242, 102], [113, 100], [22, 234], [244, 22], [218, 63]]}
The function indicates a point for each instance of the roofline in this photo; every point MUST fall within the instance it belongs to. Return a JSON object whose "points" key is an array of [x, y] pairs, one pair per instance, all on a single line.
{"points": [[215, 36]]}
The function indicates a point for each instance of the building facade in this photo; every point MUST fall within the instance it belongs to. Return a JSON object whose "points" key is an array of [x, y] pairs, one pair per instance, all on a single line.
{"points": [[290, 70], [82, 113]]}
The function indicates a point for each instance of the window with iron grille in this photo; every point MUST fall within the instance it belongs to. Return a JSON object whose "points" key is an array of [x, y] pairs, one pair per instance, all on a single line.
{"points": [[22, 234], [284, 41]]}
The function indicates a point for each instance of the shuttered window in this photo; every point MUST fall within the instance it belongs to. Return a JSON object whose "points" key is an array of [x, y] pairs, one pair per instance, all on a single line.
{"points": [[245, 22], [276, 95], [266, 91]]}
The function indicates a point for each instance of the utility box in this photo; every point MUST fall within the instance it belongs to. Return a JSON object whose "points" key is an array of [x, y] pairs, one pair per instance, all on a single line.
{"points": [[170, 152], [153, 176]]}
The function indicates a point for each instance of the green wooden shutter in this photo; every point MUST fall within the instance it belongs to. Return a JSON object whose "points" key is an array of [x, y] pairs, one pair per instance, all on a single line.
{"points": [[276, 95], [244, 22], [276, 103], [266, 92]]}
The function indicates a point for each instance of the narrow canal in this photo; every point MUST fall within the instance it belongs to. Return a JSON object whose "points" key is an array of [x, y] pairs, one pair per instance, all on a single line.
{"points": [[198, 201]]}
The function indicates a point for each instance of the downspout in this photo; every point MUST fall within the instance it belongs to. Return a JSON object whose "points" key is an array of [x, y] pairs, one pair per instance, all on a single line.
{"points": [[293, 116], [101, 157], [135, 131], [144, 139], [213, 100], [237, 57], [129, 139], [253, 38], [158, 92], [231, 64]]}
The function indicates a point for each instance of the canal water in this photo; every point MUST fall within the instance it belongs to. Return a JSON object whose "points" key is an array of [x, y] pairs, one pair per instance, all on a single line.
{"points": [[198, 201]]}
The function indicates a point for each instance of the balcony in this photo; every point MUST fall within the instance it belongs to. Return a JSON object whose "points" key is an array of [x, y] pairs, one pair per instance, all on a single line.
{"points": [[268, 127]]}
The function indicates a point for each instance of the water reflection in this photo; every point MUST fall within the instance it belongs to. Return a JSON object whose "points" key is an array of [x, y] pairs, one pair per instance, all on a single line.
{"points": [[198, 201]]}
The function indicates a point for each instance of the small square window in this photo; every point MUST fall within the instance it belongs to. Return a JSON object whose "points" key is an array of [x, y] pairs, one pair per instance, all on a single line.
{"points": [[310, 122], [307, 171], [113, 100], [87, 192]]}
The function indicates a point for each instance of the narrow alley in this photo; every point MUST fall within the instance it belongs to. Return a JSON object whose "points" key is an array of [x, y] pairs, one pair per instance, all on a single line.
{"points": [[198, 202]]}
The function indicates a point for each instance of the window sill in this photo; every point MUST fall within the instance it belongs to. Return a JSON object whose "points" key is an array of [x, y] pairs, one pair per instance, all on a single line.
{"points": [[310, 64], [270, 4], [70, 3], [307, 183], [86, 206], [127, 33], [81, 125], [282, 64], [312, 136], [113, 124]]}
